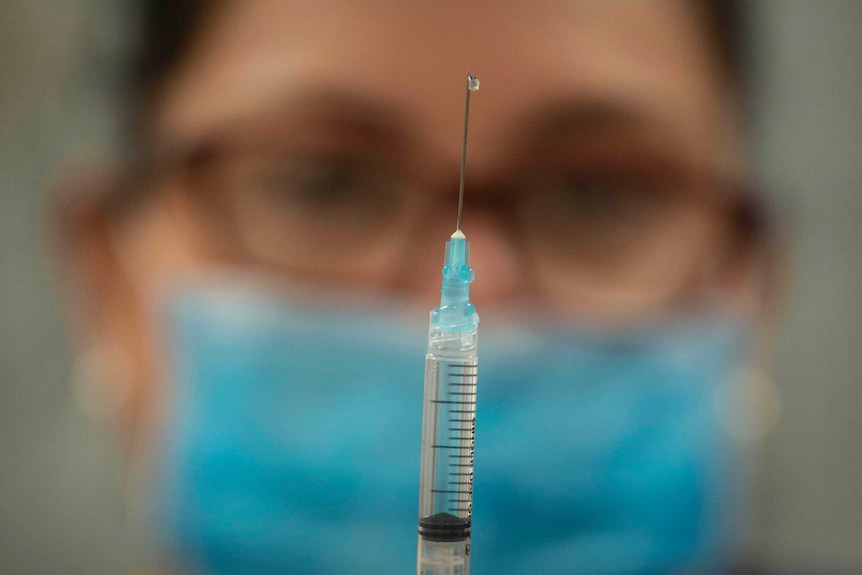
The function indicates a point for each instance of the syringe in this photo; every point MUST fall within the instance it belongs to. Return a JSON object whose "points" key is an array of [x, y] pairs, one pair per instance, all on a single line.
{"points": [[449, 411]]}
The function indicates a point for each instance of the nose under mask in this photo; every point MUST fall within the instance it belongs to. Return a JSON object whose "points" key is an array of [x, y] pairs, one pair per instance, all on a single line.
{"points": [[294, 435]]}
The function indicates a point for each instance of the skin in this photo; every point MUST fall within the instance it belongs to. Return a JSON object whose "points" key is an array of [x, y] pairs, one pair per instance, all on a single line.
{"points": [[401, 67]]}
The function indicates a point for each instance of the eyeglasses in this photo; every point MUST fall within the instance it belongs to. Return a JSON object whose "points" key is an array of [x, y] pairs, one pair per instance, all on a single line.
{"points": [[632, 228]]}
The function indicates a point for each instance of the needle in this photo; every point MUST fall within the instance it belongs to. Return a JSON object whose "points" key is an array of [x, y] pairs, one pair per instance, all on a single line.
{"points": [[472, 86]]}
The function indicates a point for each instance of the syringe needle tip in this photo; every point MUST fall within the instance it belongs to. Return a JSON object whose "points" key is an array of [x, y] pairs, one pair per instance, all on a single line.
{"points": [[472, 86]]}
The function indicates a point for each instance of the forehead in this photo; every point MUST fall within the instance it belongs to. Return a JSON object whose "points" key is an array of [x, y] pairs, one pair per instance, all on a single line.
{"points": [[652, 56]]}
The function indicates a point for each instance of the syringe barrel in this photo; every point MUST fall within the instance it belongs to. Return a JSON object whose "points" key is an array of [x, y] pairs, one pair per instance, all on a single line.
{"points": [[448, 443]]}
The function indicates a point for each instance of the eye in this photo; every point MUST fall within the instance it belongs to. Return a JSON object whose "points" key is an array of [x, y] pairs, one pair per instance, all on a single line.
{"points": [[320, 183], [328, 186], [603, 203], [593, 198], [595, 212]]}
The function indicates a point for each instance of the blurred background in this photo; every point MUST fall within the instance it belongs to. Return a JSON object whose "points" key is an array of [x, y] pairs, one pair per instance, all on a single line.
{"points": [[62, 509]]}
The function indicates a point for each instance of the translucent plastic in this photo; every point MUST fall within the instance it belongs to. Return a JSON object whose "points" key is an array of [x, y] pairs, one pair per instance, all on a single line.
{"points": [[448, 444], [449, 422]]}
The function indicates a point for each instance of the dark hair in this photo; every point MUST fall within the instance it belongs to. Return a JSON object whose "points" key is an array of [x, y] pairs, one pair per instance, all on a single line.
{"points": [[169, 27], [727, 22]]}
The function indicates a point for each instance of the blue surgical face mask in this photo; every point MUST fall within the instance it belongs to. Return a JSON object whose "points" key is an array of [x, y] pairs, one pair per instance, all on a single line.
{"points": [[293, 444]]}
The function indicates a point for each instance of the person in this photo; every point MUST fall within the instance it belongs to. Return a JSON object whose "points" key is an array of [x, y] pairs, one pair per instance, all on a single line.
{"points": [[250, 285]]}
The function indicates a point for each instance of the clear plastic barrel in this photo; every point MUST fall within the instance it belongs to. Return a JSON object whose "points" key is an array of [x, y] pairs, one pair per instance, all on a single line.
{"points": [[448, 444]]}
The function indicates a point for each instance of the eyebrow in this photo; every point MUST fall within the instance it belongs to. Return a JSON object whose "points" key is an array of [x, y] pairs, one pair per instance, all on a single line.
{"points": [[561, 120], [556, 123], [367, 117]]}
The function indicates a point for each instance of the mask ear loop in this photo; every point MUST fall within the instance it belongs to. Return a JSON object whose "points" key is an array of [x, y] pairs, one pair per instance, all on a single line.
{"points": [[102, 382], [754, 396], [748, 408], [748, 404]]}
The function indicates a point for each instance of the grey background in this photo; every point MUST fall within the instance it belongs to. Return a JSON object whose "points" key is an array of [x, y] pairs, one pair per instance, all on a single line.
{"points": [[62, 507]]}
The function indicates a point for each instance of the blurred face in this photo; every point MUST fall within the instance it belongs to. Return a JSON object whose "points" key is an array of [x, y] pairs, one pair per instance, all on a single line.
{"points": [[320, 143]]}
